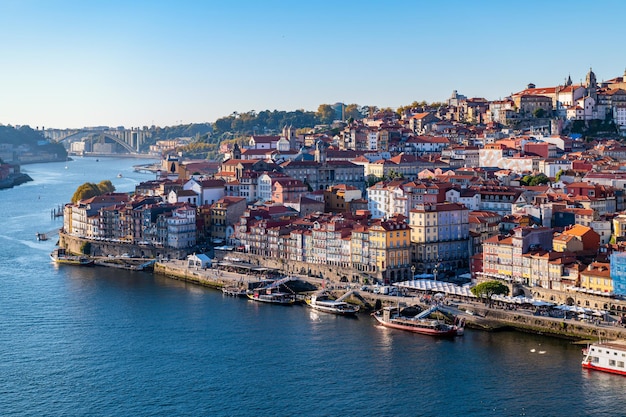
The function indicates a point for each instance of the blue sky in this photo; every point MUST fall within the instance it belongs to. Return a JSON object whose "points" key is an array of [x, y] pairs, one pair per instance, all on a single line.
{"points": [[137, 63]]}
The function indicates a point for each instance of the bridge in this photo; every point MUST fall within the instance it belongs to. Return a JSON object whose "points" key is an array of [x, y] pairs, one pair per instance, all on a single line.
{"points": [[99, 140]]}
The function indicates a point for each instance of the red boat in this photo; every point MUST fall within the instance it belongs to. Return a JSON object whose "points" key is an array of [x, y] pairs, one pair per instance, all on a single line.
{"points": [[391, 317], [606, 356]]}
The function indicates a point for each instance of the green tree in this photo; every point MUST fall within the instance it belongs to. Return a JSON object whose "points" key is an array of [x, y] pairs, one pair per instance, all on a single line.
{"points": [[488, 289], [394, 175], [539, 113], [526, 179], [558, 175], [539, 179], [89, 189], [352, 111], [325, 113], [106, 186]]}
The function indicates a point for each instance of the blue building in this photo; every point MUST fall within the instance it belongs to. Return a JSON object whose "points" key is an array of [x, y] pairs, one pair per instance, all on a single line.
{"points": [[618, 272]]}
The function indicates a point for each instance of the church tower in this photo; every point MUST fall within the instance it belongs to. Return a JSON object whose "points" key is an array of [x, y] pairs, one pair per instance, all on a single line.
{"points": [[289, 133], [320, 152], [592, 85], [236, 151]]}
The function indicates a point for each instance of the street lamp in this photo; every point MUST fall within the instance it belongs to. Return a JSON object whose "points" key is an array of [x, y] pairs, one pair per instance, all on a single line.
{"points": [[412, 272], [436, 270]]}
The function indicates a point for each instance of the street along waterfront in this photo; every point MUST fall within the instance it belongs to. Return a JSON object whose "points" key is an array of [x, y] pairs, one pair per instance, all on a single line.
{"points": [[101, 341]]}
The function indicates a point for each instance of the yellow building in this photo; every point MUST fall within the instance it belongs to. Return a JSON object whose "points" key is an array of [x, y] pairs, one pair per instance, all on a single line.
{"points": [[390, 241], [597, 277], [619, 227], [440, 235]]}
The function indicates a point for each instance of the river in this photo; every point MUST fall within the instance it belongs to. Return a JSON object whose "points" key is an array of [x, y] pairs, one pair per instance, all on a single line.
{"points": [[100, 342]]}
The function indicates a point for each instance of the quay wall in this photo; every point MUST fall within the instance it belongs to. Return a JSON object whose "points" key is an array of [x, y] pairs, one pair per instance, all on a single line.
{"points": [[99, 248], [494, 319], [482, 318], [330, 272], [206, 278]]}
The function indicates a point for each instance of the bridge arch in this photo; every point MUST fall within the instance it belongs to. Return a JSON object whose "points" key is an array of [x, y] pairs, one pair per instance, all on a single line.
{"points": [[92, 135]]}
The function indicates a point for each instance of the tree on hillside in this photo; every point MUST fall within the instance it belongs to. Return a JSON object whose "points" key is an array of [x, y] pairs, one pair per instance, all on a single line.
{"points": [[534, 180], [352, 111], [89, 189], [558, 175], [106, 186], [325, 114], [488, 289]]}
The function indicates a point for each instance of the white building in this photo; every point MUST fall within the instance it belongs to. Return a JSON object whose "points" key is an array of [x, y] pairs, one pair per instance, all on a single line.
{"points": [[181, 228], [208, 191]]}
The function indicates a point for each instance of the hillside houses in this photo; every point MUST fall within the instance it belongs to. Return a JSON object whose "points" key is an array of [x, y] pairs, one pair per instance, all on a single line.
{"points": [[491, 187]]}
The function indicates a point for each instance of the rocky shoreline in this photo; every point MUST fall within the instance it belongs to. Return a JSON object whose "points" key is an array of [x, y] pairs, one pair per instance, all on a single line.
{"points": [[14, 180]]}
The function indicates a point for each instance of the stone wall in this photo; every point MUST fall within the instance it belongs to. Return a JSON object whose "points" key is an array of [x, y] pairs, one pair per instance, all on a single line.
{"points": [[74, 244], [497, 319], [333, 273], [592, 301]]}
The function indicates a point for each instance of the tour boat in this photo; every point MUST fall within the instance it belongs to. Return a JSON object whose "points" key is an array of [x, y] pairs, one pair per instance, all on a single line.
{"points": [[265, 295], [606, 356], [391, 317], [323, 302], [61, 257]]}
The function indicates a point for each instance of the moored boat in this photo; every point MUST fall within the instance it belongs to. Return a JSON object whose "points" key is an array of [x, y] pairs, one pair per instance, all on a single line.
{"points": [[391, 317], [265, 295], [234, 291], [606, 356], [322, 302], [61, 257]]}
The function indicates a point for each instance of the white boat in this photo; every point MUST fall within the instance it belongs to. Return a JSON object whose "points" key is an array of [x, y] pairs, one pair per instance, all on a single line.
{"points": [[323, 302], [392, 317], [268, 296], [606, 356]]}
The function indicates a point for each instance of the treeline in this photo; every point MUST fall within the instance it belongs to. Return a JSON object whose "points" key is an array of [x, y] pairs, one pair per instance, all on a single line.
{"points": [[25, 135], [264, 122], [236, 127]]}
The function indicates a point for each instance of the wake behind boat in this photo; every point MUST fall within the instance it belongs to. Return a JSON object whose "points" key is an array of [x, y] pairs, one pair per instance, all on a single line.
{"points": [[392, 317], [323, 302]]}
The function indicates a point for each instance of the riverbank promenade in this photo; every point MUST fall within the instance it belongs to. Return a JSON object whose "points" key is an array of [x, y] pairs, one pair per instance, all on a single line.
{"points": [[475, 313]]}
